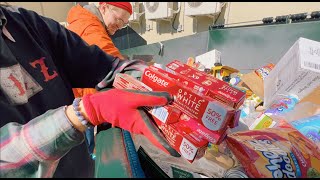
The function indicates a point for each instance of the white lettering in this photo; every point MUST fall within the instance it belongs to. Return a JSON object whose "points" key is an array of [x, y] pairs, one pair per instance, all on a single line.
{"points": [[156, 79], [279, 163], [187, 99]]}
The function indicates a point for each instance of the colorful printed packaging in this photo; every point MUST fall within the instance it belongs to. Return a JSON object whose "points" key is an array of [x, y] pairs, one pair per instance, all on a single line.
{"points": [[213, 114], [166, 114], [275, 153], [264, 71], [190, 144], [125, 81], [262, 122], [214, 137], [309, 127], [207, 84], [282, 105]]}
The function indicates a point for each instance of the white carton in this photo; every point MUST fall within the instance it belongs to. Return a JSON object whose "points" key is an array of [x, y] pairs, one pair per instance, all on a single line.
{"points": [[209, 58], [297, 72]]}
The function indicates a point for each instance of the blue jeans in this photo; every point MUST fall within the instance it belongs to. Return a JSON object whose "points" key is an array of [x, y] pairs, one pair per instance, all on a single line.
{"points": [[89, 137]]}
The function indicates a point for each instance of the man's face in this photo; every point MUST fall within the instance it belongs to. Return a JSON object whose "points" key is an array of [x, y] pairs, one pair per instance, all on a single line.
{"points": [[115, 18]]}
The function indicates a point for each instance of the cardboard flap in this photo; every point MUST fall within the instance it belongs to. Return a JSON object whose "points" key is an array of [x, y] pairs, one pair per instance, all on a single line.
{"points": [[313, 97], [254, 82]]}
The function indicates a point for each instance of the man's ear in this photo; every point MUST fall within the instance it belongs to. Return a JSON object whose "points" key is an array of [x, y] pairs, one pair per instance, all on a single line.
{"points": [[103, 8]]}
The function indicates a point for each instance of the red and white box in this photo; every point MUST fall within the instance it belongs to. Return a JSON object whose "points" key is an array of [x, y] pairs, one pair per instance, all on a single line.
{"points": [[214, 137], [166, 114], [235, 119], [207, 84], [188, 144], [211, 113], [125, 81]]}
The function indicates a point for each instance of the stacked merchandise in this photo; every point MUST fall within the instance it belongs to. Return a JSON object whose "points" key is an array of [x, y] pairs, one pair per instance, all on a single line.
{"points": [[203, 109], [257, 124], [282, 139]]}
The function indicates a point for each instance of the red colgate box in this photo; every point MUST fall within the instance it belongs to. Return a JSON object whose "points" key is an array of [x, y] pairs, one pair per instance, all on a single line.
{"points": [[207, 84], [166, 114], [235, 119], [188, 144], [214, 137], [213, 114], [125, 81]]}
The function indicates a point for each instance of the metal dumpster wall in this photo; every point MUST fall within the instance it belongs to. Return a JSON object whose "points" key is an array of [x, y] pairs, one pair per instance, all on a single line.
{"points": [[248, 48], [116, 156], [179, 48], [127, 38], [244, 48]]}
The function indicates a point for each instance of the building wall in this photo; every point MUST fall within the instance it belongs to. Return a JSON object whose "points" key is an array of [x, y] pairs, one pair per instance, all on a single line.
{"points": [[231, 14], [55, 10], [249, 11]]}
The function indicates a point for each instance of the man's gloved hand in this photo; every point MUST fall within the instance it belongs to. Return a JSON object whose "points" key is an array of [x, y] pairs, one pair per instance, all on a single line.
{"points": [[134, 68], [123, 108]]}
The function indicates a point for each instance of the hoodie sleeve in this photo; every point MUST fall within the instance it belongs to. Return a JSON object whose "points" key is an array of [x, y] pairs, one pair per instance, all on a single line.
{"points": [[95, 34], [84, 65], [34, 149]]}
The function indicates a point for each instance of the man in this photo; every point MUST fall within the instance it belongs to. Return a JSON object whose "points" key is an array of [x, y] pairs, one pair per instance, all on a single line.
{"points": [[96, 24], [41, 134]]}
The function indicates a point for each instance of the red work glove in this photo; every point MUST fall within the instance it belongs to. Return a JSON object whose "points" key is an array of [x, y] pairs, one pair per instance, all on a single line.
{"points": [[123, 108]]}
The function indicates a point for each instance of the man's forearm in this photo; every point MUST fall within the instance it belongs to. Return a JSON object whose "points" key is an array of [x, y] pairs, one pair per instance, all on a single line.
{"points": [[33, 149]]}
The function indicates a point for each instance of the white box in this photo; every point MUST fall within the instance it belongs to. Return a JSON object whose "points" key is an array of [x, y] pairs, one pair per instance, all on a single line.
{"points": [[209, 58], [297, 72]]}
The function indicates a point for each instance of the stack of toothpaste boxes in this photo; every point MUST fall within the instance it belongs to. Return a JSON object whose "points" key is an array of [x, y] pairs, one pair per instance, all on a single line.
{"points": [[203, 108]]}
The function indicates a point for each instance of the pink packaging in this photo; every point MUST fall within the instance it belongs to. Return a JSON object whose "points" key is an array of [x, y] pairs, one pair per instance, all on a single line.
{"points": [[212, 114], [189, 144], [166, 114], [207, 84], [214, 137]]}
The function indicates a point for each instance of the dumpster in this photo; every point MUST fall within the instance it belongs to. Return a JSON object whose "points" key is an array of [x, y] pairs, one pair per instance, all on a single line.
{"points": [[244, 49], [116, 155]]}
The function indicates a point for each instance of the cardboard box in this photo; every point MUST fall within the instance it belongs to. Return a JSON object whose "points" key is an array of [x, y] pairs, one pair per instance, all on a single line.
{"points": [[254, 82], [211, 113], [166, 114], [208, 59], [235, 119], [189, 124], [125, 81], [207, 84], [297, 72], [188, 144], [313, 97]]}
